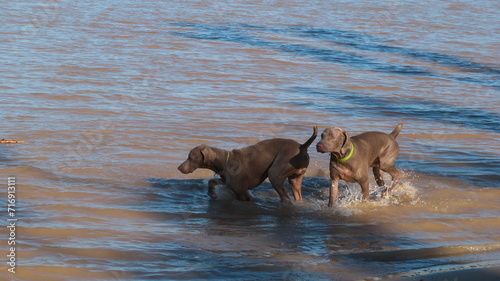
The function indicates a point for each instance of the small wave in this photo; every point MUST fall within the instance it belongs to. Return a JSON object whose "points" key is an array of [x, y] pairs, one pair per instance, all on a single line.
{"points": [[469, 271], [425, 253], [351, 200], [30, 172], [74, 97], [315, 193]]}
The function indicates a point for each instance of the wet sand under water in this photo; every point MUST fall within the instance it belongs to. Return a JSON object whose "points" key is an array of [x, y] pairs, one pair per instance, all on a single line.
{"points": [[111, 97]]}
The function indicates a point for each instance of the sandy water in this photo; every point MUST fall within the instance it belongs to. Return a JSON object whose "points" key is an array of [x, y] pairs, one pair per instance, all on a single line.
{"points": [[111, 96]]}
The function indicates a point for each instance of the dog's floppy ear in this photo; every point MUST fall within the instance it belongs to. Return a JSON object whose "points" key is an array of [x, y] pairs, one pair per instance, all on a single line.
{"points": [[208, 155], [347, 143]]}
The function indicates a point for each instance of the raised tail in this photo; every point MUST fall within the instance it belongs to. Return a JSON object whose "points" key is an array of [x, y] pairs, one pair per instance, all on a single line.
{"points": [[396, 130], [311, 139]]}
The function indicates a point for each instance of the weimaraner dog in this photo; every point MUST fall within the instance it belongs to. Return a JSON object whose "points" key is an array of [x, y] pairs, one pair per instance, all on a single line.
{"points": [[246, 168], [351, 157]]}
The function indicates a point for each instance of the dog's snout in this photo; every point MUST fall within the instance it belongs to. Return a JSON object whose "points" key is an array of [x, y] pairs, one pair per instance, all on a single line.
{"points": [[180, 169], [319, 147], [183, 168]]}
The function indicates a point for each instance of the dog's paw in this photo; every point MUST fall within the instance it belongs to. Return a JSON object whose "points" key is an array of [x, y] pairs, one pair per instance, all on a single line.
{"points": [[380, 182], [212, 193]]}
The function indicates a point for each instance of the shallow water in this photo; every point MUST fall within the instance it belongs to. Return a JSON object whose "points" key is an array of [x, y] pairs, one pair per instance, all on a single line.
{"points": [[112, 95]]}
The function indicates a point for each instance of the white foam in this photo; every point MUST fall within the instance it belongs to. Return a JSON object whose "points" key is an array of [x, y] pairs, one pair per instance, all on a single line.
{"points": [[350, 201], [224, 193]]}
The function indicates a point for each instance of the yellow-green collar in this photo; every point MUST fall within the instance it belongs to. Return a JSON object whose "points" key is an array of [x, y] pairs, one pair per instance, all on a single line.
{"points": [[348, 156]]}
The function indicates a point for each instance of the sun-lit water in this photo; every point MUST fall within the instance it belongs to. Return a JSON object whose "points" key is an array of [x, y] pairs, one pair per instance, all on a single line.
{"points": [[111, 96]]}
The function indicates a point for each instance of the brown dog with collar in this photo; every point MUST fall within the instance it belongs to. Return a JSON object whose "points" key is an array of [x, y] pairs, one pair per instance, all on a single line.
{"points": [[244, 169], [351, 157]]}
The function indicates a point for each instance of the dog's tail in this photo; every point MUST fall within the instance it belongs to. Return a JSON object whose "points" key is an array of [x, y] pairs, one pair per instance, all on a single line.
{"points": [[396, 130], [311, 139]]}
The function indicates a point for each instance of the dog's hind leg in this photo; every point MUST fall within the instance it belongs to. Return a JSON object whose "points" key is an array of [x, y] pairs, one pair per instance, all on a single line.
{"points": [[396, 176], [377, 172]]}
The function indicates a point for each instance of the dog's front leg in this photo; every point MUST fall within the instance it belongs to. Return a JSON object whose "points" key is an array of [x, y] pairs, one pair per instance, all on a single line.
{"points": [[211, 187], [334, 190]]}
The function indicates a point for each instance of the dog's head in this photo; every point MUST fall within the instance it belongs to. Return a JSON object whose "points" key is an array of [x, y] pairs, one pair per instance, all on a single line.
{"points": [[199, 157], [334, 140]]}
